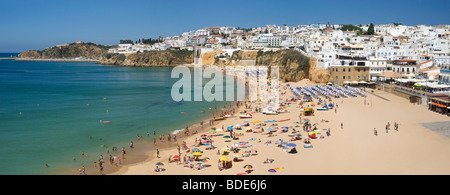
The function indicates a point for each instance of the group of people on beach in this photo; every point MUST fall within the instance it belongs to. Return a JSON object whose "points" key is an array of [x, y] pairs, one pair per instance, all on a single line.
{"points": [[388, 127]]}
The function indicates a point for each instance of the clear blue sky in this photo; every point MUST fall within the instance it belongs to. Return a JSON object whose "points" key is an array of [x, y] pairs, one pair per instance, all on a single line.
{"points": [[34, 24]]}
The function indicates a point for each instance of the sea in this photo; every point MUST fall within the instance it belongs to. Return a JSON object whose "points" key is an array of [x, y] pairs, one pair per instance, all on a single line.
{"points": [[51, 112]]}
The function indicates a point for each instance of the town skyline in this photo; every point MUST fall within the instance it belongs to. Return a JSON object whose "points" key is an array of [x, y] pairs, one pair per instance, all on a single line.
{"points": [[31, 25]]}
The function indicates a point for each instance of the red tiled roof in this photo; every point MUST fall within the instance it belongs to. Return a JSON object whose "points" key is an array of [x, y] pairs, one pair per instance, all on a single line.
{"points": [[425, 62]]}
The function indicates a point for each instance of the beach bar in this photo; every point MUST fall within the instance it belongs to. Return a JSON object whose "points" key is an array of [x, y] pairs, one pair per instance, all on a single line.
{"points": [[440, 103]]}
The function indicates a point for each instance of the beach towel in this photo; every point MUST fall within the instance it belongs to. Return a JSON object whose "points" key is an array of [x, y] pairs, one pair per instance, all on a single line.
{"points": [[307, 146]]}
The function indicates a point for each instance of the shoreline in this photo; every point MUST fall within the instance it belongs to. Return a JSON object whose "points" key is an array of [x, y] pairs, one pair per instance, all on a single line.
{"points": [[351, 149], [55, 60], [348, 151], [144, 150]]}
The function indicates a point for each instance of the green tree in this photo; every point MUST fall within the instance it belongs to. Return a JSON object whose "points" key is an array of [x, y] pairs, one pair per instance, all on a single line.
{"points": [[371, 30]]}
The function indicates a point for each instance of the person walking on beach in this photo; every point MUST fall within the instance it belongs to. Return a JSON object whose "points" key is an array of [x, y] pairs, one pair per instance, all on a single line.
{"points": [[342, 125], [387, 128], [375, 131], [157, 153], [123, 153]]}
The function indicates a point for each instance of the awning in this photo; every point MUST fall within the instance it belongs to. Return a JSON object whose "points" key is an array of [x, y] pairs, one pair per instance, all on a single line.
{"points": [[438, 105]]}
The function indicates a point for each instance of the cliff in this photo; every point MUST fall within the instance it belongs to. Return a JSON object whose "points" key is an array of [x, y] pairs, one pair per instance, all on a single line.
{"points": [[67, 51], [151, 58], [319, 75], [293, 65]]}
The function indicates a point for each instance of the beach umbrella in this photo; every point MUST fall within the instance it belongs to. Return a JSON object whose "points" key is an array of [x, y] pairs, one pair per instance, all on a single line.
{"points": [[248, 167], [176, 157], [237, 155], [212, 131], [159, 164], [291, 145], [223, 158], [272, 170], [226, 136], [197, 154], [230, 128], [224, 149], [196, 150], [279, 168], [219, 130], [206, 159]]}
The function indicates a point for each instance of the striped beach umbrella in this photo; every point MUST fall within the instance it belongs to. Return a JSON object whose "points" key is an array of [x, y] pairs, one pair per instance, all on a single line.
{"points": [[248, 167], [159, 164]]}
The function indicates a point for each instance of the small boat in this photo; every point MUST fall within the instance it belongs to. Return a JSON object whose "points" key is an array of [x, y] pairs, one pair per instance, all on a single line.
{"points": [[245, 116], [229, 116], [284, 120], [271, 113], [219, 118], [270, 121], [322, 109], [106, 122], [183, 112]]}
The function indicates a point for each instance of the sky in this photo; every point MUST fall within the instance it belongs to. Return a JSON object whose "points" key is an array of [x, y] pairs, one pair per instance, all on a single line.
{"points": [[38, 24]]}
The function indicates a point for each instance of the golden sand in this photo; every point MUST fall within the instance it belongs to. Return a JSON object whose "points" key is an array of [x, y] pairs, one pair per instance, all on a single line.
{"points": [[413, 149]]}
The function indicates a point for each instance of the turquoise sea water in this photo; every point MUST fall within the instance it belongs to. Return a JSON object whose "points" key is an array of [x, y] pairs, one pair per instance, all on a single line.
{"points": [[49, 110]]}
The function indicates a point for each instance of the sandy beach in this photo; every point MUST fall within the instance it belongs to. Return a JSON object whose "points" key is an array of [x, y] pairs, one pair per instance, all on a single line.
{"points": [[353, 149]]}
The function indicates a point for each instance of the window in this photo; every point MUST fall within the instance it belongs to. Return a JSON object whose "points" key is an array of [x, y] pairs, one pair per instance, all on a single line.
{"points": [[349, 69], [348, 77], [343, 70], [343, 77]]}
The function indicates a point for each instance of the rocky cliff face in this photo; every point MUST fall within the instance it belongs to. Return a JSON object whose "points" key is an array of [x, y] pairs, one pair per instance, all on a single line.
{"points": [[68, 51], [319, 75], [293, 65], [153, 58]]}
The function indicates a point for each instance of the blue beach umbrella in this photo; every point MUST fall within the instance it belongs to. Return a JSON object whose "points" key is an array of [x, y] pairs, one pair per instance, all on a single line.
{"points": [[291, 145]]}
